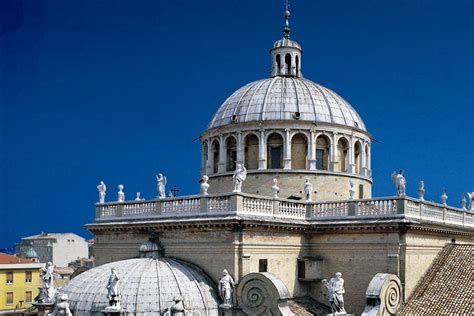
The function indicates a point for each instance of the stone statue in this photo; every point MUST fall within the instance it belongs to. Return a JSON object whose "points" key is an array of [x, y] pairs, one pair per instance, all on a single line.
{"points": [[226, 287], [444, 197], [204, 185], [102, 189], [463, 202], [121, 194], [421, 190], [138, 197], [47, 291], [275, 188], [308, 190], [161, 185], [471, 200], [335, 288], [177, 308], [352, 190], [61, 308], [240, 174], [400, 182], [113, 292]]}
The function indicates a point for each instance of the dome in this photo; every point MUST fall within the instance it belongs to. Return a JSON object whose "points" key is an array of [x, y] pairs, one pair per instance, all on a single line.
{"points": [[30, 253], [286, 42], [286, 98], [147, 287]]}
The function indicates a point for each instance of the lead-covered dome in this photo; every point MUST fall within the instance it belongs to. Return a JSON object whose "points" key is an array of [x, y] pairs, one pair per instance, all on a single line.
{"points": [[147, 286], [286, 98]]}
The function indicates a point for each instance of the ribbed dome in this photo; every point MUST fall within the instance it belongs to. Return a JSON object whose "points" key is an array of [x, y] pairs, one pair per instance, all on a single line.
{"points": [[31, 253], [286, 42], [279, 98], [147, 287]]}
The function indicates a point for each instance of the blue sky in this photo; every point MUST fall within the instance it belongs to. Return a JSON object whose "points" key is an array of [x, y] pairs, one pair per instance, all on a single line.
{"points": [[119, 91]]}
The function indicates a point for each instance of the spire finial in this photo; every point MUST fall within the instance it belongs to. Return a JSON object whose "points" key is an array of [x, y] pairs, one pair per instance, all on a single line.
{"points": [[286, 29]]}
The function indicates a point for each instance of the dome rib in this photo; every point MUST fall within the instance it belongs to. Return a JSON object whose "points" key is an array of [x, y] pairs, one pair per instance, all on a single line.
{"points": [[278, 98]]}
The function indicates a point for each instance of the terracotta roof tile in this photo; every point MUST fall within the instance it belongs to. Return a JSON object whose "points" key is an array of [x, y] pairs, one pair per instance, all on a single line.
{"points": [[446, 288], [9, 259]]}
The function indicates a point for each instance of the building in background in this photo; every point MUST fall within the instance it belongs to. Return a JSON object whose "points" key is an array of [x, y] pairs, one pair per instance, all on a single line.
{"points": [[60, 249], [19, 282]]}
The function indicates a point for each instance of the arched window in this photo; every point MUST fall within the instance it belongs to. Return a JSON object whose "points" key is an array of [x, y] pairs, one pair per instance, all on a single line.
{"points": [[275, 151], [322, 152], [299, 151], [367, 159], [205, 157], [342, 154], [297, 61], [251, 151], [278, 61], [231, 148], [215, 156], [361, 191], [288, 64], [358, 158]]}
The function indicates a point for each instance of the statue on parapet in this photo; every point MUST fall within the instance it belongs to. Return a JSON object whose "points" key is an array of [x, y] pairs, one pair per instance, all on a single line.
{"points": [[113, 291], [102, 188], [161, 185], [352, 190], [335, 287], [204, 186], [240, 174], [61, 307], [421, 190], [471, 200], [308, 190], [226, 287], [121, 194], [47, 291], [400, 182], [275, 188]]}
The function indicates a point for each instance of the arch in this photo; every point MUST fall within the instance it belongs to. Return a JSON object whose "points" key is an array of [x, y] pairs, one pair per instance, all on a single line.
{"points": [[358, 157], [274, 151], [278, 61], [215, 156], [231, 153], [288, 64], [299, 151], [297, 62], [323, 148], [342, 154], [367, 159], [205, 156], [251, 151]]}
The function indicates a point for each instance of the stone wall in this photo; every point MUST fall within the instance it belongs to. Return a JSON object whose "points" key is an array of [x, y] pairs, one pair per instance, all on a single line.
{"points": [[328, 186]]}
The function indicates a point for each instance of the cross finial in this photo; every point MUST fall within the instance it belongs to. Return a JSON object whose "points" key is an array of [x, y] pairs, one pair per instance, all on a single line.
{"points": [[286, 29]]}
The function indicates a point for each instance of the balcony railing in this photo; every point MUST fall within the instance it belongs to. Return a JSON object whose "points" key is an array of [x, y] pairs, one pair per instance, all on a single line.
{"points": [[237, 204]]}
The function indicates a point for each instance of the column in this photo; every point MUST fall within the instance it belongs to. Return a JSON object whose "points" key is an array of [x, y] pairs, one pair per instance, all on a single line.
{"points": [[369, 163], [287, 150], [312, 150], [222, 155], [364, 160], [210, 157], [240, 148], [333, 153], [203, 158], [262, 151], [351, 168]]}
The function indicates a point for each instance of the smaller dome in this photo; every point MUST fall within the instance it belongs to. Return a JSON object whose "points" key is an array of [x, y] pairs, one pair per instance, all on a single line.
{"points": [[286, 42], [151, 249], [30, 253]]}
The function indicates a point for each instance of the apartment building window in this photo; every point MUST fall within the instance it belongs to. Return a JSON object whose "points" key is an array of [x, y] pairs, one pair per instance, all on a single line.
{"points": [[10, 277], [28, 276], [28, 297], [9, 298]]}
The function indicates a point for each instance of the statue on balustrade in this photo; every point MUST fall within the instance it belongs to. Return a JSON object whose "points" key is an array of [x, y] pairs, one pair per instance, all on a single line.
{"points": [[335, 288], [471, 200], [308, 190], [204, 185], [444, 198], [421, 190], [400, 182], [352, 190], [102, 191], [161, 185], [275, 188], [61, 308], [121, 194], [240, 174], [226, 287]]}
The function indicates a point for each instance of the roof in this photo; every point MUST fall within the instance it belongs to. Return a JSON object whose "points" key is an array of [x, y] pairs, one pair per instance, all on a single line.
{"points": [[50, 236], [9, 259], [280, 98], [147, 287], [446, 288]]}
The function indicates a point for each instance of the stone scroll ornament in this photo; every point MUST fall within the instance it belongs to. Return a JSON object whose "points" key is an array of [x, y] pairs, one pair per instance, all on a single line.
{"points": [[383, 295], [263, 293]]}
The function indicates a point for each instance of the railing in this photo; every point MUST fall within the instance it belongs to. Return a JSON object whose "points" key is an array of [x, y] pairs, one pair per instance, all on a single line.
{"points": [[242, 204]]}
